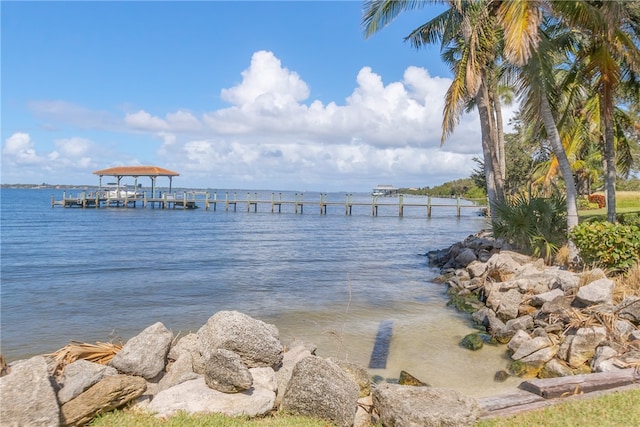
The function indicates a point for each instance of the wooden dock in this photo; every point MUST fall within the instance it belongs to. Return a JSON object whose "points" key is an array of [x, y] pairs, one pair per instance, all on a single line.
{"points": [[276, 204]]}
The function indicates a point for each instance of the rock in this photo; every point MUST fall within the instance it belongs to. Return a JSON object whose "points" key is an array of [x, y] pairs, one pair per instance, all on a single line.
{"points": [[512, 326], [584, 343], [525, 370], [225, 372], [629, 309], [541, 356], [364, 416], [144, 355], [517, 340], [298, 351], [472, 342], [264, 377], [540, 299], [503, 262], [408, 379], [27, 397], [194, 396], [79, 376], [190, 343], [555, 368], [180, 371], [505, 304], [257, 343], [481, 317], [598, 292], [501, 376], [404, 406], [566, 280], [109, 393], [476, 269], [357, 373], [529, 347], [602, 359], [319, 388]]}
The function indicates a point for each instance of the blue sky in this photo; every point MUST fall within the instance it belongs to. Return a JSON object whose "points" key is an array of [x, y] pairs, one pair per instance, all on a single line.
{"points": [[249, 95]]}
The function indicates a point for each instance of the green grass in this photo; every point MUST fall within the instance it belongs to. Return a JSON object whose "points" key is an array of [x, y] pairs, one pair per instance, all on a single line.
{"points": [[617, 409], [626, 202], [132, 418]]}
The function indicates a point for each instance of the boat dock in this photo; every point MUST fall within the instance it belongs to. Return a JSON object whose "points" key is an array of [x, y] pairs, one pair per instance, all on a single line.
{"points": [[276, 204]]}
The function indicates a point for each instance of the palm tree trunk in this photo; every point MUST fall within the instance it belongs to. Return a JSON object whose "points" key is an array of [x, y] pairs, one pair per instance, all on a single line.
{"points": [[563, 163], [609, 168], [497, 107], [489, 142]]}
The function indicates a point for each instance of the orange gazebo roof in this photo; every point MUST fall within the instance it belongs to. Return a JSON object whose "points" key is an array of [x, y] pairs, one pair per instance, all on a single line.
{"points": [[136, 171]]}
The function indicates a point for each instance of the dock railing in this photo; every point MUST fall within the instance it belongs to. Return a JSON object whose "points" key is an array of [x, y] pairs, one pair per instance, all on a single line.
{"points": [[194, 199]]}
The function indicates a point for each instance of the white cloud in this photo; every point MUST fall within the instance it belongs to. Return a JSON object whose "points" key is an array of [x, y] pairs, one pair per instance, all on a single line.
{"points": [[19, 149], [275, 133]]}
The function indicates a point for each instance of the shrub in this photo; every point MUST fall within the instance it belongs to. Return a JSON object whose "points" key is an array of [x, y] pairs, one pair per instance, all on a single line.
{"points": [[584, 204], [599, 199], [612, 246], [535, 225], [629, 219]]}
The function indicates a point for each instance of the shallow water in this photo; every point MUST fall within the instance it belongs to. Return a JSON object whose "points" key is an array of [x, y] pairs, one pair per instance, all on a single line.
{"points": [[102, 274]]}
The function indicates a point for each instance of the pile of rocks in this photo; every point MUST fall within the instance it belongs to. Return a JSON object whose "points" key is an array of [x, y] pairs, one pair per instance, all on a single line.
{"points": [[234, 365], [554, 322]]}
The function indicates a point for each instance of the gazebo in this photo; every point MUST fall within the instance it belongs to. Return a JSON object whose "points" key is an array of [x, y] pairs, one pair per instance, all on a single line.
{"points": [[152, 172]]}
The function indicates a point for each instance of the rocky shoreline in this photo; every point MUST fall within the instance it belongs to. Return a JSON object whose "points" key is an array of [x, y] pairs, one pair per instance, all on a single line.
{"points": [[552, 322]]}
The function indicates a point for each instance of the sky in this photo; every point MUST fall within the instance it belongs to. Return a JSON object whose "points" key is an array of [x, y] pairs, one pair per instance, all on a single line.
{"points": [[257, 95]]}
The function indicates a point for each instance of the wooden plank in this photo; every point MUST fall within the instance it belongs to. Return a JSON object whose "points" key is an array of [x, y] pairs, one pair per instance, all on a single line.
{"points": [[495, 403], [565, 386], [491, 407], [381, 347]]}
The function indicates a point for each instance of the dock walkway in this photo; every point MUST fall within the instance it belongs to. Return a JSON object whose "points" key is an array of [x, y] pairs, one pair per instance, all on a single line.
{"points": [[276, 204]]}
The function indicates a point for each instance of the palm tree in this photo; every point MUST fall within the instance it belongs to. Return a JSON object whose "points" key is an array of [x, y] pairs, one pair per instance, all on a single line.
{"points": [[609, 54], [471, 45]]}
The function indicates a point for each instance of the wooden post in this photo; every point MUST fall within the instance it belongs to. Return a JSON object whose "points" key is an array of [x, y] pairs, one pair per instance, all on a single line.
{"points": [[226, 201], [84, 200], [374, 207], [248, 201], [301, 202], [184, 200], [428, 206], [400, 206], [215, 200], [458, 206], [53, 200]]}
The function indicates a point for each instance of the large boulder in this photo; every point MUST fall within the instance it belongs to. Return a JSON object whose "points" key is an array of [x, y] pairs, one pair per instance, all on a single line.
{"points": [[297, 351], [319, 388], [256, 342], [408, 406], [27, 397], [194, 396], [79, 376], [145, 355], [109, 393], [225, 372]]}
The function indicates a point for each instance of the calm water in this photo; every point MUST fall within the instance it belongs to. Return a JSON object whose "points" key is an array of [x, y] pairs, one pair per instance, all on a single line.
{"points": [[103, 274]]}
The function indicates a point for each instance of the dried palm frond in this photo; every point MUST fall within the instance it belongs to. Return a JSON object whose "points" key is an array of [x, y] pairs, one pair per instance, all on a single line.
{"points": [[579, 319], [100, 352]]}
